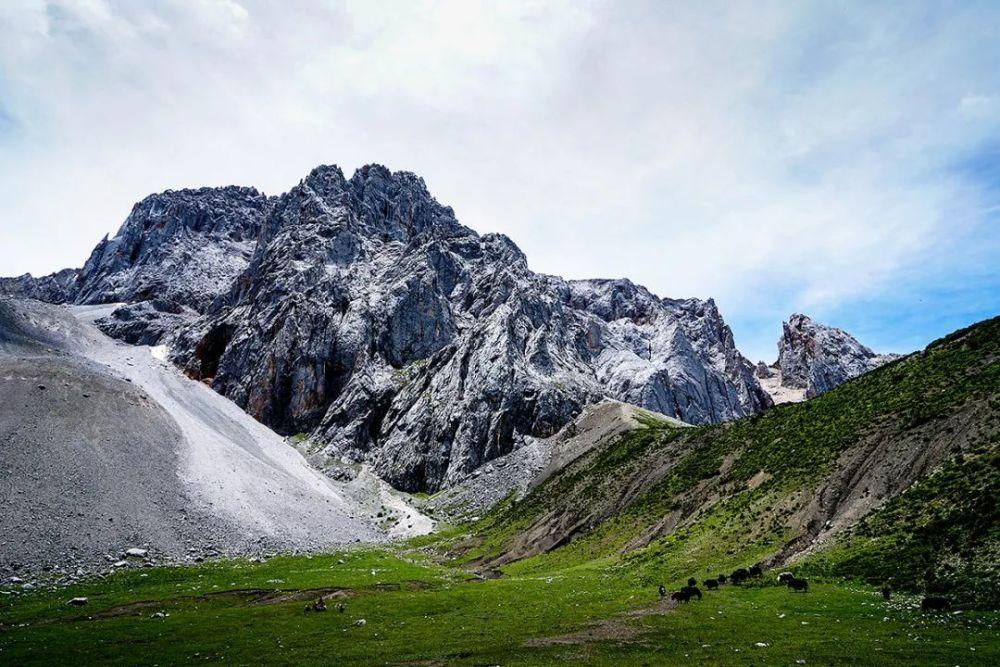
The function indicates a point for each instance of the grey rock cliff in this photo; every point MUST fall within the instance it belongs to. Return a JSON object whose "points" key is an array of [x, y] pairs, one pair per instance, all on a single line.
{"points": [[370, 317], [56, 287], [182, 246], [176, 252], [817, 358]]}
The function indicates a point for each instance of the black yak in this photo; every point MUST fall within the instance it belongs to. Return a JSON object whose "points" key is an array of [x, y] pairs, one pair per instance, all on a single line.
{"points": [[692, 581], [785, 577], [711, 584], [692, 592], [739, 576], [756, 570], [934, 603], [721, 578], [680, 596], [798, 585], [663, 591]]}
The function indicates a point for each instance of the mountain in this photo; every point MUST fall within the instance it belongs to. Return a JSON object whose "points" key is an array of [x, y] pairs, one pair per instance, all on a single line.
{"points": [[361, 312], [369, 317], [814, 358], [893, 478]]}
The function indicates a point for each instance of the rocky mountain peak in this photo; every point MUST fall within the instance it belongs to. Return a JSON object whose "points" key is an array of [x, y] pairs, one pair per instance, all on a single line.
{"points": [[398, 337], [325, 179], [815, 358], [360, 310], [394, 206], [176, 252], [181, 246]]}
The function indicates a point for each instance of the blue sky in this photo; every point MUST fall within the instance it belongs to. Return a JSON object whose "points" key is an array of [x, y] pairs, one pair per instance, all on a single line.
{"points": [[838, 159]]}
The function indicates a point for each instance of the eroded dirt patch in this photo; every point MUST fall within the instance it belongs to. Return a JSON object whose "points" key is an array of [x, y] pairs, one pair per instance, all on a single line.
{"points": [[622, 628]]}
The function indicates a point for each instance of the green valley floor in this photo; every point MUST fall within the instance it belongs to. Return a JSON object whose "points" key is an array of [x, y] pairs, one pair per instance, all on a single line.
{"points": [[404, 606]]}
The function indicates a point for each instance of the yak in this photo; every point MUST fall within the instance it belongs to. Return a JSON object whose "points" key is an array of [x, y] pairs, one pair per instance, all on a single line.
{"points": [[711, 584], [692, 591], [798, 585], [935, 603], [680, 596], [739, 576]]}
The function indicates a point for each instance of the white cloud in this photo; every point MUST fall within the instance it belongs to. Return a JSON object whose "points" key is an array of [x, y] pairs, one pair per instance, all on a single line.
{"points": [[776, 156]]}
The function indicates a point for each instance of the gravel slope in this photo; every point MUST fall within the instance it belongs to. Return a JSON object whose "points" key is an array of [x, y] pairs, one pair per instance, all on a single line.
{"points": [[120, 450]]}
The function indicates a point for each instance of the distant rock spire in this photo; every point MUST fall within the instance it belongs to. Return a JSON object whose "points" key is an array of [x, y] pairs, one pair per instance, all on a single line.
{"points": [[814, 358]]}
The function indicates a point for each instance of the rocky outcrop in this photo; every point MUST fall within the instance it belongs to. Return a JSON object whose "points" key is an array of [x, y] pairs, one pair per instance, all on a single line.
{"points": [[146, 322], [814, 358], [513, 475], [58, 287], [182, 246], [369, 316], [177, 250]]}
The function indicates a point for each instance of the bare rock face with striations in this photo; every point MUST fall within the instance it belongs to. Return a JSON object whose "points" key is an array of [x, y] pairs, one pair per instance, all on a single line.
{"points": [[817, 358], [359, 310], [371, 318]]}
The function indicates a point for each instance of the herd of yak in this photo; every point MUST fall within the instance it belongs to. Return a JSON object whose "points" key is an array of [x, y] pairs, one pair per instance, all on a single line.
{"points": [[929, 603], [737, 577]]}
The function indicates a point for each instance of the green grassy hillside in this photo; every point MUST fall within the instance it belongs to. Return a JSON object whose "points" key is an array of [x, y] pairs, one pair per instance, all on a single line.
{"points": [[911, 448], [943, 533]]}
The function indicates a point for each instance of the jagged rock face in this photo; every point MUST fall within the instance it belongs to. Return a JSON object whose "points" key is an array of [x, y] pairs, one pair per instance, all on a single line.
{"points": [[369, 316], [183, 246], [817, 358], [676, 357], [763, 371], [57, 287], [175, 253], [146, 322]]}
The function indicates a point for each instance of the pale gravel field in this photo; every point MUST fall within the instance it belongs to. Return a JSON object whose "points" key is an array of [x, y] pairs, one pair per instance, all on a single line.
{"points": [[194, 471], [780, 394]]}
